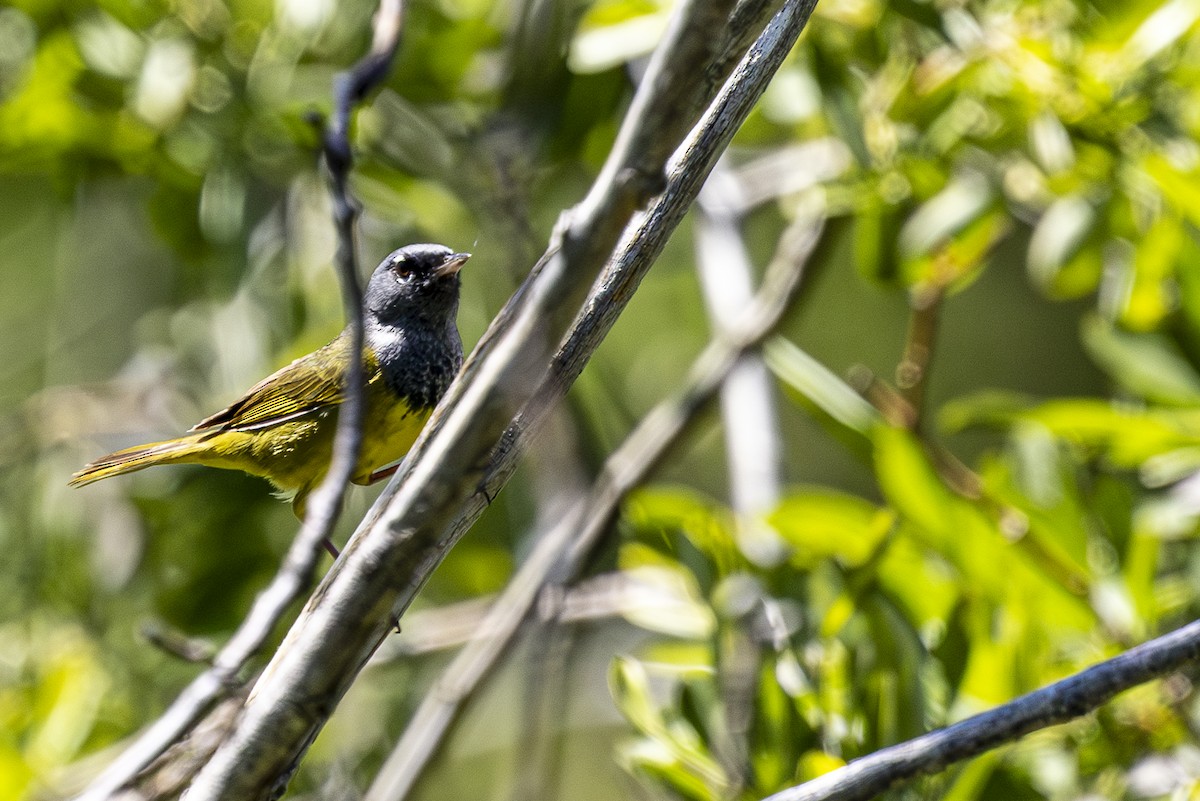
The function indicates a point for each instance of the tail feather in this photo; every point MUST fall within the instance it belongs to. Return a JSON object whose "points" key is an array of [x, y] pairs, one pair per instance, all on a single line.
{"points": [[136, 458]]}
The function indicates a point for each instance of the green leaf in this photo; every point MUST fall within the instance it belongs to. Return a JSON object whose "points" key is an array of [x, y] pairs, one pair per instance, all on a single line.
{"points": [[987, 408], [1147, 365], [1061, 259], [671, 750], [596, 49], [961, 259], [660, 513], [817, 763], [914, 489], [614, 32], [819, 386], [656, 760], [961, 531], [1181, 190], [920, 582], [630, 688], [1151, 297], [776, 736], [1160, 442], [964, 201], [670, 603], [823, 523], [972, 778]]}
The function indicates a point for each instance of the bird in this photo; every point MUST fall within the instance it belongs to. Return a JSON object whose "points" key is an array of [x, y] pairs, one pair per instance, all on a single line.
{"points": [[282, 429]]}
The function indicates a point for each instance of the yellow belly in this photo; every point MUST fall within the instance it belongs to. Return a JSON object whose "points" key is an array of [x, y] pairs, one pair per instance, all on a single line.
{"points": [[295, 455], [390, 430]]}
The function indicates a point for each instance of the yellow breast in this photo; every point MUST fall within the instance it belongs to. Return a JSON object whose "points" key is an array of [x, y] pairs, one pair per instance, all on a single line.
{"points": [[389, 430]]}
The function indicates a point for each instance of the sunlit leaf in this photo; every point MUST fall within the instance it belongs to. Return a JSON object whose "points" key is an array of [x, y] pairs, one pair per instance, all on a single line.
{"points": [[816, 763], [671, 749], [675, 606], [1180, 188], [933, 225], [1150, 296], [655, 760], [987, 408], [971, 780], [920, 582], [663, 512], [1061, 260], [630, 688], [821, 523], [819, 386]]}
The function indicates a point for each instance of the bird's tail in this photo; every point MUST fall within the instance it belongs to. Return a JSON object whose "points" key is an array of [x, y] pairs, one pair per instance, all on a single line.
{"points": [[138, 457]]}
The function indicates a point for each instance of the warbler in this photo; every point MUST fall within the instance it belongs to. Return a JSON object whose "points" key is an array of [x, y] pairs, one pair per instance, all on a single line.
{"points": [[283, 428]]}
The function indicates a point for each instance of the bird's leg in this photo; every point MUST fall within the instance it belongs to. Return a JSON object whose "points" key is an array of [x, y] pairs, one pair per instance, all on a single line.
{"points": [[380, 475], [300, 507]]}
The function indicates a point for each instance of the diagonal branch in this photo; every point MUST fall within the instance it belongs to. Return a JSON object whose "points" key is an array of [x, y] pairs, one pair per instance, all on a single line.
{"points": [[560, 553], [423, 511], [1077, 695], [295, 573]]}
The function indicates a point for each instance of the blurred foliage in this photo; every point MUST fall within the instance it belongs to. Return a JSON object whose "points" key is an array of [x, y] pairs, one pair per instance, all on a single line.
{"points": [[1026, 171], [1066, 129]]}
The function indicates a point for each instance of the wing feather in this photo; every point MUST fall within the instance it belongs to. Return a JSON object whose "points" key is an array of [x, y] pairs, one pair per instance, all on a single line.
{"points": [[310, 384]]}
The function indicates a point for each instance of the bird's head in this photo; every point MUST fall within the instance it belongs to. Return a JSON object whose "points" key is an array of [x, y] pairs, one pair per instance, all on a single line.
{"points": [[416, 282]]}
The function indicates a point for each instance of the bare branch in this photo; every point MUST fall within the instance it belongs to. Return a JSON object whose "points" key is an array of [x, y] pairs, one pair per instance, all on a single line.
{"points": [[424, 509], [1070, 698], [561, 550], [324, 506]]}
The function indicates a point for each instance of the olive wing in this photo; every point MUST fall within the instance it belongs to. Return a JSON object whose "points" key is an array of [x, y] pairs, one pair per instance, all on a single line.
{"points": [[305, 386]]}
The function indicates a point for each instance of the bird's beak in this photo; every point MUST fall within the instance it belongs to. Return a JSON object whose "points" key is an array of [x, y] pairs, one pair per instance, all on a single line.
{"points": [[451, 265]]}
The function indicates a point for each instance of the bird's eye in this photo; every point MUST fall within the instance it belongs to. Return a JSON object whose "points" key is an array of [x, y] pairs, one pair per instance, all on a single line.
{"points": [[402, 271]]}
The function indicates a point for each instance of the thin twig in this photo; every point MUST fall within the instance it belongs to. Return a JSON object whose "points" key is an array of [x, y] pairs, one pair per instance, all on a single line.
{"points": [[559, 552], [747, 398], [178, 644], [452, 626], [547, 684], [324, 506], [1062, 701], [423, 511], [912, 373]]}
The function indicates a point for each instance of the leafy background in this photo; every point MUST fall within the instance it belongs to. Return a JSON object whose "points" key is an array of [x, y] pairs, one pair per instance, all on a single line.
{"points": [[1027, 171]]}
